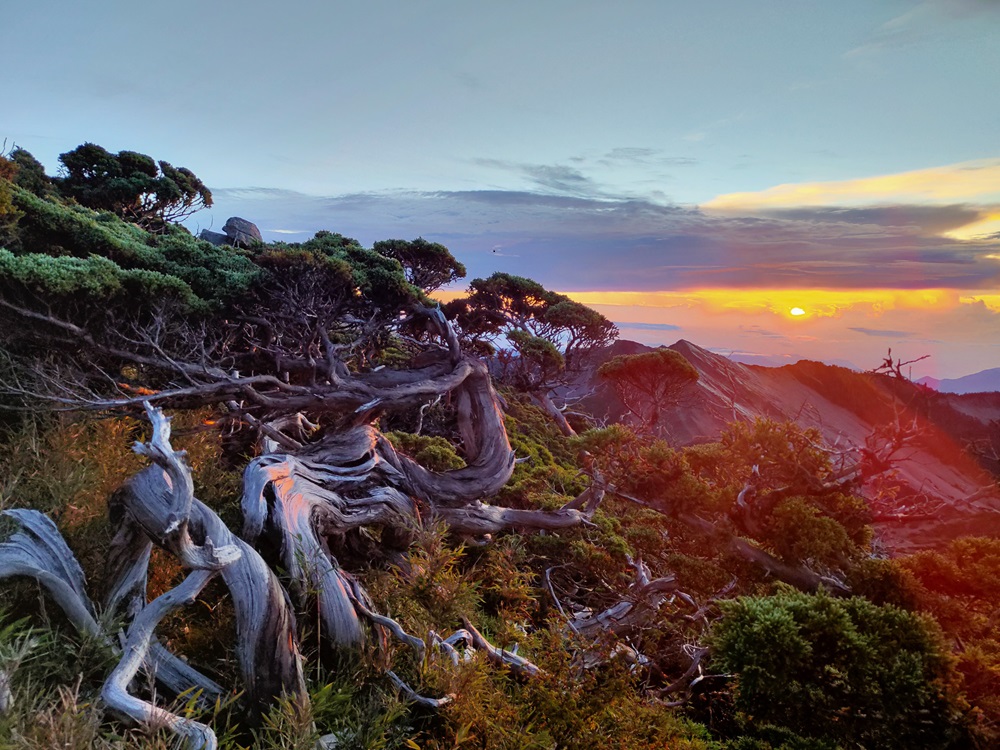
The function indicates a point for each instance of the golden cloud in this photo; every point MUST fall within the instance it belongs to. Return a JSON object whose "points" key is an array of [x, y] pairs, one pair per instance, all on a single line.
{"points": [[975, 182]]}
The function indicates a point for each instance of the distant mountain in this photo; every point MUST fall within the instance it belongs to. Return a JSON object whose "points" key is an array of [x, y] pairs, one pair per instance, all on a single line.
{"points": [[777, 360], [847, 407], [985, 381]]}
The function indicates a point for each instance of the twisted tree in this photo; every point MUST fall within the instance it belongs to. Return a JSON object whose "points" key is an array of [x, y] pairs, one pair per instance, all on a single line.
{"points": [[548, 334], [132, 185], [289, 343]]}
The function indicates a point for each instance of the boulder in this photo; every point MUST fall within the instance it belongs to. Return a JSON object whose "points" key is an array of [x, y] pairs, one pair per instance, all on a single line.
{"points": [[216, 238], [241, 232]]}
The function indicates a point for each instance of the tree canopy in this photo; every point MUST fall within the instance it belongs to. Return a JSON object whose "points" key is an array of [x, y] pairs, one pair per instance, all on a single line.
{"points": [[547, 333], [131, 185], [503, 303], [649, 383], [427, 265]]}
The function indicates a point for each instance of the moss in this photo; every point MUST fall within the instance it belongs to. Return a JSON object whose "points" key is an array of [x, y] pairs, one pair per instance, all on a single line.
{"points": [[435, 453]]}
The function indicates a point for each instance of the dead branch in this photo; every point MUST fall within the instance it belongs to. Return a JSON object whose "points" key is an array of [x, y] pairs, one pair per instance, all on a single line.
{"points": [[115, 691]]}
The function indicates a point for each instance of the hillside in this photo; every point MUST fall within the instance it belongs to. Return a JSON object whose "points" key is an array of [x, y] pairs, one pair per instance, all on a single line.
{"points": [[985, 381], [952, 460], [384, 550]]}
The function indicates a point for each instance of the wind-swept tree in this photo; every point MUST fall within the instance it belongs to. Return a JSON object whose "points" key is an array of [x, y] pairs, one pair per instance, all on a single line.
{"points": [[286, 341], [542, 327], [649, 383], [131, 185]]}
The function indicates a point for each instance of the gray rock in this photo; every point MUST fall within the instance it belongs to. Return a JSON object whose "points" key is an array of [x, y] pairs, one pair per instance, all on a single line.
{"points": [[241, 232], [216, 238]]}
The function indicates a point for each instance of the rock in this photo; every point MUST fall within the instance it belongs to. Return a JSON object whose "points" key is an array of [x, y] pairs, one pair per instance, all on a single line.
{"points": [[216, 238], [241, 232]]}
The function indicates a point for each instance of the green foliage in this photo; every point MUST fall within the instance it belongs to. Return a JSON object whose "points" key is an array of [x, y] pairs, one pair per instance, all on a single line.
{"points": [[791, 511], [131, 185], [799, 529], [843, 670], [213, 274], [547, 477], [428, 265], [783, 453], [506, 582], [362, 280], [95, 280], [648, 469], [436, 453]]}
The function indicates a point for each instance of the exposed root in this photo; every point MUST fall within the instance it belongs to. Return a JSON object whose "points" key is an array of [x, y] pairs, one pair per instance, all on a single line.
{"points": [[413, 696], [115, 691], [499, 656]]}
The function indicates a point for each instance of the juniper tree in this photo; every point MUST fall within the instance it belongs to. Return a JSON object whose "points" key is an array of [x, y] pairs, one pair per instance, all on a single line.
{"points": [[286, 342], [549, 333]]}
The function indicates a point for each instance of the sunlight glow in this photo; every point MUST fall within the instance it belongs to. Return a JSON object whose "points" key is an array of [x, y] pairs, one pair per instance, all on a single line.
{"points": [[823, 303], [797, 311], [983, 228]]}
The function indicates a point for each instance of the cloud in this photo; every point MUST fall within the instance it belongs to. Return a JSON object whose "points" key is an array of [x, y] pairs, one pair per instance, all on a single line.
{"points": [[882, 333], [648, 326], [645, 157], [966, 182], [552, 177], [932, 219], [924, 20], [585, 242]]}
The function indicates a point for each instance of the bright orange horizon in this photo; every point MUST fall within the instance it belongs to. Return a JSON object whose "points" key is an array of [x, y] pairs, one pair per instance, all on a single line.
{"points": [[845, 326]]}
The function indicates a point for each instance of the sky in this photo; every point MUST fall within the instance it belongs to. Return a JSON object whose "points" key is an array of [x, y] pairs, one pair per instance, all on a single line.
{"points": [[692, 170]]}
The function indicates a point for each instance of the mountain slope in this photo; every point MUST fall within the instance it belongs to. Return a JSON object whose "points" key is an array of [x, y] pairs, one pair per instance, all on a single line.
{"points": [[846, 407], [985, 381]]}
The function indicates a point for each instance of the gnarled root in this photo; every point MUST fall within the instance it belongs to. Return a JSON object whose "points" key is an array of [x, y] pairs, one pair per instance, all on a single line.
{"points": [[265, 625], [137, 644], [37, 550]]}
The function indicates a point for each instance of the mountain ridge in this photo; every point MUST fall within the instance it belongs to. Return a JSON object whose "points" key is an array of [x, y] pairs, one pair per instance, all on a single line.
{"points": [[952, 463], [984, 381]]}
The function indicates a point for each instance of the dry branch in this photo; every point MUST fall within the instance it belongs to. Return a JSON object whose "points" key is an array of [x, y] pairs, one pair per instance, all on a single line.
{"points": [[137, 644]]}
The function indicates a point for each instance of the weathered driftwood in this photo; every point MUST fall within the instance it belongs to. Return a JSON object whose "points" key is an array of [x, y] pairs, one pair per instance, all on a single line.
{"points": [[38, 551], [637, 610], [355, 478]]}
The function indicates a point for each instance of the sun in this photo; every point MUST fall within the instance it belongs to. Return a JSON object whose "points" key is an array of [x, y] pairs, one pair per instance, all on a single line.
{"points": [[797, 311]]}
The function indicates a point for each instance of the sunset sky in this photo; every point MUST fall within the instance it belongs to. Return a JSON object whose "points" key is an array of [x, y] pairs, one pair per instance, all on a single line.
{"points": [[693, 170]]}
